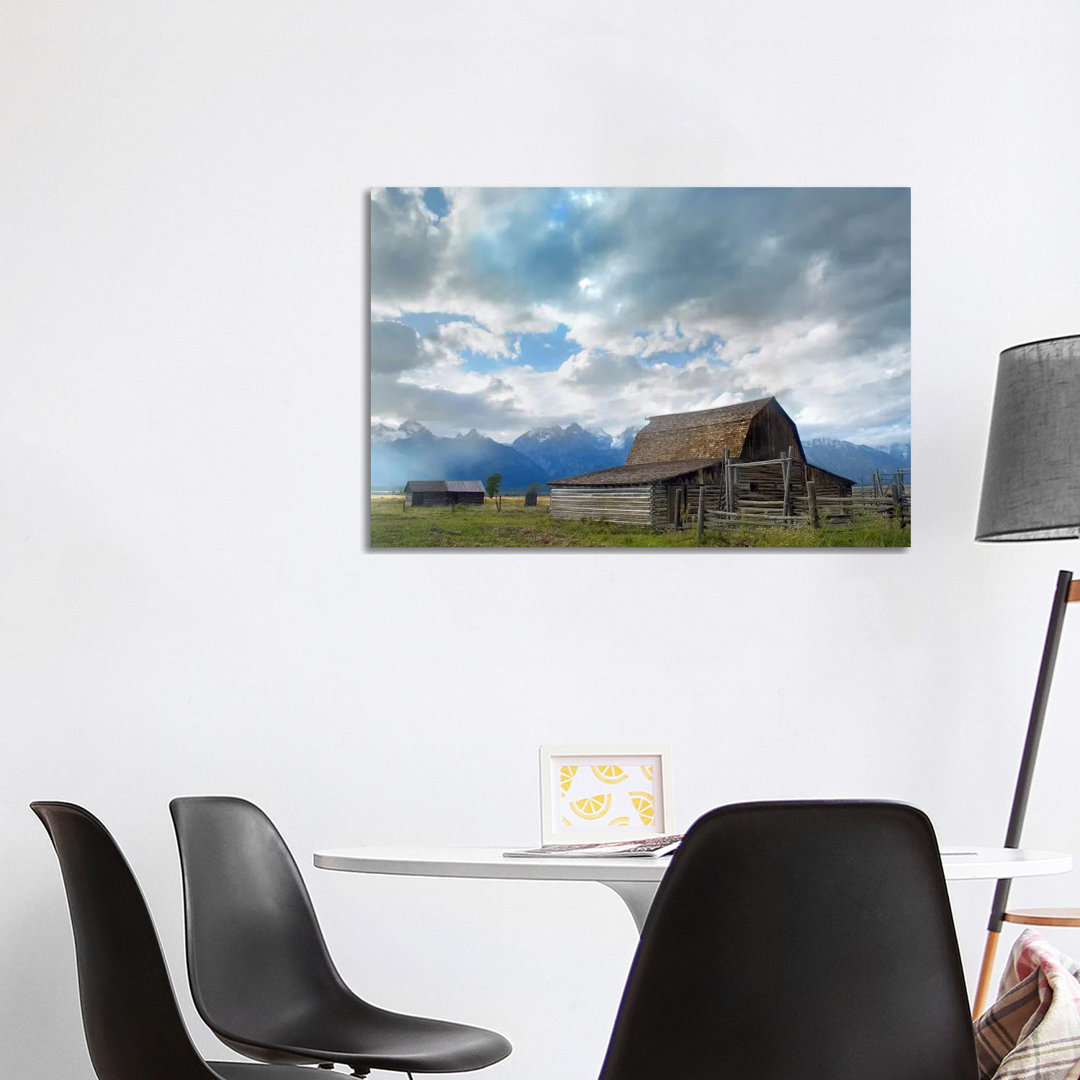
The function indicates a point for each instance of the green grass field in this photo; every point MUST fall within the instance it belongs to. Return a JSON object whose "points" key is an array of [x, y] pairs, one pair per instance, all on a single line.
{"points": [[518, 526]]}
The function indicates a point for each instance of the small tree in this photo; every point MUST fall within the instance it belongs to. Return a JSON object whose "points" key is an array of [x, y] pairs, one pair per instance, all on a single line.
{"points": [[530, 495], [491, 486]]}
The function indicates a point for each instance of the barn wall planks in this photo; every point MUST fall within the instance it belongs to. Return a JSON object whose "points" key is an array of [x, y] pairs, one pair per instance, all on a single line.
{"points": [[427, 498], [658, 501], [771, 432], [444, 498], [629, 505]]}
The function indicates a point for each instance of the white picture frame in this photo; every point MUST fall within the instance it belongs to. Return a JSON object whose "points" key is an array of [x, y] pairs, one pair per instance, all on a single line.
{"points": [[596, 793]]}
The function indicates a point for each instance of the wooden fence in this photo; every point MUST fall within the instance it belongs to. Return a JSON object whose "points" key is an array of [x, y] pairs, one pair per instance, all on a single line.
{"points": [[792, 499]]}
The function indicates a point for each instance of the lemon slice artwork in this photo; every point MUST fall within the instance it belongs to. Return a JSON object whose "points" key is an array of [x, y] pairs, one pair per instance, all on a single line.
{"points": [[624, 820], [643, 804], [609, 774], [566, 777], [592, 808]]}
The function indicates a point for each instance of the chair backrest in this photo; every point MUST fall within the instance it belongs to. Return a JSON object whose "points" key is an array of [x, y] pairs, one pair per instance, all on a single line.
{"points": [[255, 952], [132, 1022], [798, 941]]}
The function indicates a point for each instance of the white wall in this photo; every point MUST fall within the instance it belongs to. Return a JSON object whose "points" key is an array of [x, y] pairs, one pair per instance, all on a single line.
{"points": [[187, 605]]}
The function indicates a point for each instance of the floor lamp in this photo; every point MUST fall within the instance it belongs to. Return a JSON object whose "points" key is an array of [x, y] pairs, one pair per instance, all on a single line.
{"points": [[1031, 491]]}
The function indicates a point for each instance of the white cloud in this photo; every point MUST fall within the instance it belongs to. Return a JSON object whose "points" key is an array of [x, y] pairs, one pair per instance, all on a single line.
{"points": [[458, 336]]}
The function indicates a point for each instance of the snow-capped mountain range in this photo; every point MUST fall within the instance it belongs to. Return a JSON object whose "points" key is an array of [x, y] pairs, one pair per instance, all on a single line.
{"points": [[858, 462], [411, 452], [567, 451]]}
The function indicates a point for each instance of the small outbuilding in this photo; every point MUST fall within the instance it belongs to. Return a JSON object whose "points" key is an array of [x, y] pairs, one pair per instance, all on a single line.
{"points": [[444, 493]]}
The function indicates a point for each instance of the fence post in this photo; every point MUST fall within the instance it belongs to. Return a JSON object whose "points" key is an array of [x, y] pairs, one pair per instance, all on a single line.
{"points": [[729, 501], [700, 512], [811, 500], [877, 483], [786, 466], [898, 506]]}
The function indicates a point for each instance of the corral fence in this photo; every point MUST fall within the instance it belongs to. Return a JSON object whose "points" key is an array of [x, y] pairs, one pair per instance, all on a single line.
{"points": [[784, 493]]}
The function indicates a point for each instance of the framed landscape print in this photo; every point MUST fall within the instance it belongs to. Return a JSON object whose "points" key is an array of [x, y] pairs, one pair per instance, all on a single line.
{"points": [[640, 367], [596, 793]]}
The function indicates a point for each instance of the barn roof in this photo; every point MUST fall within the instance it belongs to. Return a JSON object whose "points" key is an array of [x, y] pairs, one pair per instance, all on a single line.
{"points": [[644, 473], [458, 486], [699, 434]]}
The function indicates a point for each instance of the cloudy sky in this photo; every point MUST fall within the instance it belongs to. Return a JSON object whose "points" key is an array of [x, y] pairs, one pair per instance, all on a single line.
{"points": [[515, 308]]}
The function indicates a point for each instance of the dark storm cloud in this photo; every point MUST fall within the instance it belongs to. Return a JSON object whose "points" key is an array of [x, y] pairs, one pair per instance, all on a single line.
{"points": [[751, 253], [394, 347], [407, 244]]}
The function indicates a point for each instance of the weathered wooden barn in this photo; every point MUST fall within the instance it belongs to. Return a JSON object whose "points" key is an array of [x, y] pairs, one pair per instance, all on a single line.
{"points": [[749, 431], [673, 456], [444, 493]]}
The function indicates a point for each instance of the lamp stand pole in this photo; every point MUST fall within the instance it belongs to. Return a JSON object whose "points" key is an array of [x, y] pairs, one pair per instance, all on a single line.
{"points": [[1065, 592]]}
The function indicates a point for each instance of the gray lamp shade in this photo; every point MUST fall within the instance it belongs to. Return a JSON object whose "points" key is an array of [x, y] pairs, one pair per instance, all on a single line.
{"points": [[1031, 484]]}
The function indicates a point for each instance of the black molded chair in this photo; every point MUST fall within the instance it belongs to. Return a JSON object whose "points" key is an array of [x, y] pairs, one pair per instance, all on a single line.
{"points": [[798, 941], [133, 1026], [259, 969]]}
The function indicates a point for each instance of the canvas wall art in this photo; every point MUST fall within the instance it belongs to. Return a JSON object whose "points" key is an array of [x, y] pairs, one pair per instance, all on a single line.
{"points": [[640, 367]]}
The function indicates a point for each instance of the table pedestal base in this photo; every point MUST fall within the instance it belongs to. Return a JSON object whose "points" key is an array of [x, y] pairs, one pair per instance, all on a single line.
{"points": [[637, 896]]}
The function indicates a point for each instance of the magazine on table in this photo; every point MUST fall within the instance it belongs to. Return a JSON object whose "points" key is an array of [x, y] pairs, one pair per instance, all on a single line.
{"points": [[649, 847]]}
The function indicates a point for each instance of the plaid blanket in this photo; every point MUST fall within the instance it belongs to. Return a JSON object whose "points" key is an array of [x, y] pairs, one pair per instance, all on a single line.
{"points": [[1032, 1031]]}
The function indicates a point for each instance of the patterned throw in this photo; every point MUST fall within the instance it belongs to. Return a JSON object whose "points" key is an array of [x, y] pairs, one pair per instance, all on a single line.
{"points": [[1032, 1031]]}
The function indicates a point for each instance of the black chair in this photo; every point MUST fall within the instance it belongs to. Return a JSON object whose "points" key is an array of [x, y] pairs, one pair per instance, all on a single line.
{"points": [[798, 941], [133, 1026], [259, 969]]}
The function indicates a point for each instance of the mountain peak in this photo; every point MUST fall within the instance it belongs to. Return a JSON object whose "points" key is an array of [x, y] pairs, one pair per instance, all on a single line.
{"points": [[411, 429], [570, 450]]}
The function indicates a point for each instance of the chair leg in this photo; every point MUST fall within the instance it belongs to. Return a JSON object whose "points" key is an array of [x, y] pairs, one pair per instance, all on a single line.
{"points": [[982, 992]]}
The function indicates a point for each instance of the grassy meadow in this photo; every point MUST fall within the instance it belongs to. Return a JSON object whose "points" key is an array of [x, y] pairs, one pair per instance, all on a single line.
{"points": [[518, 526]]}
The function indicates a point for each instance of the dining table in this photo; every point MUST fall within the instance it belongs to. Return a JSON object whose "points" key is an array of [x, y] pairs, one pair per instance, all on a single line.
{"points": [[635, 879]]}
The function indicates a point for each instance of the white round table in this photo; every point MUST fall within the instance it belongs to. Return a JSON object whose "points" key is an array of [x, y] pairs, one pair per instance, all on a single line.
{"points": [[636, 879]]}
